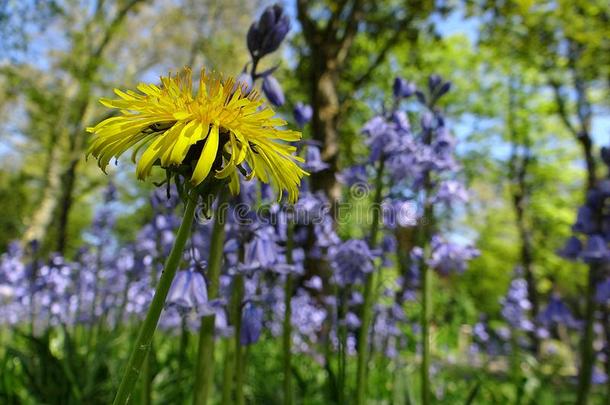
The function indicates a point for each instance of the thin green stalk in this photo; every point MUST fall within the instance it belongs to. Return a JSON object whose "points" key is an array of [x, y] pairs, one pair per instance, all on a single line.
{"points": [[287, 327], [147, 378], [144, 339], [367, 304], [204, 370], [342, 335], [227, 375], [587, 354], [238, 291], [425, 330]]}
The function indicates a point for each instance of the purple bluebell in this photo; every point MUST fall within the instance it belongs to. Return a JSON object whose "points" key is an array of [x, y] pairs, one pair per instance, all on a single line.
{"points": [[313, 160], [596, 250], [351, 261], [353, 175], [273, 91], [450, 257], [266, 34], [450, 191], [245, 82], [602, 293], [251, 324], [516, 306], [585, 221], [302, 113], [403, 88], [572, 248], [399, 213], [557, 313], [188, 291]]}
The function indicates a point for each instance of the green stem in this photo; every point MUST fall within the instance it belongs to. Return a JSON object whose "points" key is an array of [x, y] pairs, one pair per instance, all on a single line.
{"points": [[342, 331], [238, 291], [204, 371], [227, 377], [367, 305], [587, 354], [147, 378], [426, 279], [287, 327], [144, 339]]}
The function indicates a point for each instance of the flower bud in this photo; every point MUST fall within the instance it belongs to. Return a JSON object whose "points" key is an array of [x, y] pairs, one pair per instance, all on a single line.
{"points": [[266, 35], [302, 113], [273, 91]]}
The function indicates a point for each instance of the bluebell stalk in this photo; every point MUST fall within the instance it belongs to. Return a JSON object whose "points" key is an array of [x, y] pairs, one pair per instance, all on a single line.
{"points": [[287, 325], [367, 305], [204, 370]]}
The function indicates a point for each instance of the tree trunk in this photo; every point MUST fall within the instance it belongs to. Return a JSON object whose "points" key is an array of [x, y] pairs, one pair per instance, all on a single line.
{"points": [[325, 104], [43, 215]]}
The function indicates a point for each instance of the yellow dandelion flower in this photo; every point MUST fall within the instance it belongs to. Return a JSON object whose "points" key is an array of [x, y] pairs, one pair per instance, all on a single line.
{"points": [[213, 132]]}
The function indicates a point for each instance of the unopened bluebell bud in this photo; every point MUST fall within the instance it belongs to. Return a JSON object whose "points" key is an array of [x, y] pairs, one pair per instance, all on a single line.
{"points": [[302, 113], [251, 324], [403, 88], [266, 35], [273, 91]]}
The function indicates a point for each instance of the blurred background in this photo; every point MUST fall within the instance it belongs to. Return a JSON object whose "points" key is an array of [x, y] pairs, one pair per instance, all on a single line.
{"points": [[528, 103]]}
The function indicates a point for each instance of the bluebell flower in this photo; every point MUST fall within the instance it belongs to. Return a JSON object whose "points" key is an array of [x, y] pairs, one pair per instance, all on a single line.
{"points": [[585, 221], [596, 250], [516, 306], [447, 256], [450, 191], [302, 113], [188, 291], [399, 213], [273, 91], [313, 160], [557, 313], [353, 175], [251, 324], [266, 35], [244, 80], [403, 88], [602, 293], [351, 261], [571, 250]]}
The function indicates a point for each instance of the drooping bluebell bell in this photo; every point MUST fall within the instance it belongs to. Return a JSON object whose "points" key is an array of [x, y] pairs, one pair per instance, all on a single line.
{"points": [[302, 113], [450, 191], [516, 305], [602, 292], [557, 313], [585, 221], [313, 160], [351, 261], [188, 291], [353, 175], [596, 250], [273, 91], [244, 80], [266, 34], [399, 213], [450, 257], [251, 324], [572, 248]]}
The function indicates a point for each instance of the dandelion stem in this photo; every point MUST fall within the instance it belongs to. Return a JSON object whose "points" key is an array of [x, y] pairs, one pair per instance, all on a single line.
{"points": [[367, 305], [204, 371], [144, 339], [287, 327]]}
